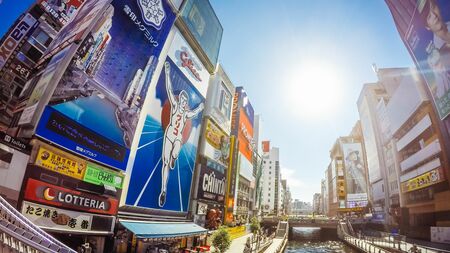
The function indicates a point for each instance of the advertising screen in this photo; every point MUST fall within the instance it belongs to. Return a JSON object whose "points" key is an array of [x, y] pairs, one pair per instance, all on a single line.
{"points": [[216, 145], [108, 78], [426, 37], [162, 172], [204, 25], [354, 169]]}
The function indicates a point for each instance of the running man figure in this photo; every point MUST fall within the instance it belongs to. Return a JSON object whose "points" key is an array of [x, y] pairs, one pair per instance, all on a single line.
{"points": [[173, 135]]}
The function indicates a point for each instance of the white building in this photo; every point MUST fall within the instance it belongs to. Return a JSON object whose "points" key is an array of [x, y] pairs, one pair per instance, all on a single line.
{"points": [[271, 190]]}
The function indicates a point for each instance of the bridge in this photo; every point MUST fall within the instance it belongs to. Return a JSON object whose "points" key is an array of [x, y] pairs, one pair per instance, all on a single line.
{"points": [[302, 222]]}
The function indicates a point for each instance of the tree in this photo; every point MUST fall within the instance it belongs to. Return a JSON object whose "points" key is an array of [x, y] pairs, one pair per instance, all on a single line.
{"points": [[254, 225], [221, 239]]}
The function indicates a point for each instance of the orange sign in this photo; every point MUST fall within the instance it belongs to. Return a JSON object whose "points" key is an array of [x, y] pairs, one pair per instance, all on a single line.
{"points": [[266, 146], [245, 136]]}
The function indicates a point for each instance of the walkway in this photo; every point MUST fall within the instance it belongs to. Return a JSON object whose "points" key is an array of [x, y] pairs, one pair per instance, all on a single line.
{"points": [[405, 246], [238, 244], [277, 242]]}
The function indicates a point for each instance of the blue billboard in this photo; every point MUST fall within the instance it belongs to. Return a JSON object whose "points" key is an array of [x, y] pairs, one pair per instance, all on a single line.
{"points": [[10, 11], [163, 168], [102, 91]]}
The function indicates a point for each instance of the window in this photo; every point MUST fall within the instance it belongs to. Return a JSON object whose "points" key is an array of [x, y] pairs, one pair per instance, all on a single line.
{"points": [[270, 172]]}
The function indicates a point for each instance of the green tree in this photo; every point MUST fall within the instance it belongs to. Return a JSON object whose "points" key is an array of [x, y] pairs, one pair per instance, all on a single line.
{"points": [[254, 225], [221, 240]]}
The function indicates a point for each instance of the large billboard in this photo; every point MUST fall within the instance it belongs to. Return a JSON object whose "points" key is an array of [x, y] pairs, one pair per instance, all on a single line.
{"points": [[426, 34], [162, 172], [203, 23], [61, 11], [107, 81], [216, 144], [10, 10], [245, 136], [212, 182], [354, 169]]}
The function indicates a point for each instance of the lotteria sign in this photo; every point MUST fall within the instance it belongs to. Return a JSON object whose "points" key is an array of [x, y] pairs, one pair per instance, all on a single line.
{"points": [[61, 197]]}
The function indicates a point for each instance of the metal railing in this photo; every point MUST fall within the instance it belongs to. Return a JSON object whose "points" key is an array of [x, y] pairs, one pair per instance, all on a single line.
{"points": [[18, 234], [356, 242], [399, 243]]}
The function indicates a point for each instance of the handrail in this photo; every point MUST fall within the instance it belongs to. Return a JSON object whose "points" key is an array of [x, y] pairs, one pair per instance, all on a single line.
{"points": [[19, 227]]}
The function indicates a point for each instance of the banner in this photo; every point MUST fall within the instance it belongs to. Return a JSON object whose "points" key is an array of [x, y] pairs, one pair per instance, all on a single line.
{"points": [[216, 145], [55, 218], [163, 168], [61, 197], [354, 168], [211, 185], [60, 162], [108, 77], [427, 179], [101, 176]]}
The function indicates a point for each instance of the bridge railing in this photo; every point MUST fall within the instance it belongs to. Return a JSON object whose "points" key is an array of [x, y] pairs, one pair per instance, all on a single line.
{"points": [[358, 243]]}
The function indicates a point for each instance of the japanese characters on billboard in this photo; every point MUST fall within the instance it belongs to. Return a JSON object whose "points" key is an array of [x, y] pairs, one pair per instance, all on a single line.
{"points": [[424, 180], [64, 220], [216, 145], [162, 172], [245, 136], [61, 11], [354, 169], [10, 11], [212, 182], [107, 81], [427, 38]]}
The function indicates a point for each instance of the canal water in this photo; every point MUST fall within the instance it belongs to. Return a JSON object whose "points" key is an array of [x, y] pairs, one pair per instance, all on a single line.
{"points": [[306, 240]]}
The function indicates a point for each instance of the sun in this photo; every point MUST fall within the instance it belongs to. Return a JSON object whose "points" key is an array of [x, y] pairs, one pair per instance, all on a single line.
{"points": [[314, 90]]}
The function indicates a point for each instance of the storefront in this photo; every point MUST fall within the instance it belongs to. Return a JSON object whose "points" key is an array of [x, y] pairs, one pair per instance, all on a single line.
{"points": [[141, 236], [64, 194]]}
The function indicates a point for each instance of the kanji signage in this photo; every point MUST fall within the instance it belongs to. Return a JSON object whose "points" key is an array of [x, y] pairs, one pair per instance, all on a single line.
{"points": [[101, 176]]}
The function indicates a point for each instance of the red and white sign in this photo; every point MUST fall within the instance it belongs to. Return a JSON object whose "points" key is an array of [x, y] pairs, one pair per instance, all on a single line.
{"points": [[14, 37], [61, 197], [266, 146]]}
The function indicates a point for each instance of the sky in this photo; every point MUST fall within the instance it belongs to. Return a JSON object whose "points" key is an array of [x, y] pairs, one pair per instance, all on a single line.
{"points": [[303, 64]]}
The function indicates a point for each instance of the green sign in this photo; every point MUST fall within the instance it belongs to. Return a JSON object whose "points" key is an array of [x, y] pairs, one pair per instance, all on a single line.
{"points": [[100, 176]]}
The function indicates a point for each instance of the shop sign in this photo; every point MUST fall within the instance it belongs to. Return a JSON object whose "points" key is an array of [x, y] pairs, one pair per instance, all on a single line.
{"points": [[60, 163], [212, 184], [352, 209], [20, 69], [100, 176], [55, 218], [15, 37], [427, 179], [57, 196], [202, 209], [15, 143]]}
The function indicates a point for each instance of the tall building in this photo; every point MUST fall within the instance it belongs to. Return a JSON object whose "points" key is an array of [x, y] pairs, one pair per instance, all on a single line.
{"points": [[316, 203], [271, 193]]}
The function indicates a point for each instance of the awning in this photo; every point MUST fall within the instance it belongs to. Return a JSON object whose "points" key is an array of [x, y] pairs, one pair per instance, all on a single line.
{"points": [[163, 229]]}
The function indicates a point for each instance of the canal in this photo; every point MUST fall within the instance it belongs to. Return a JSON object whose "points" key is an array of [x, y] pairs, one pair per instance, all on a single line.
{"points": [[305, 240]]}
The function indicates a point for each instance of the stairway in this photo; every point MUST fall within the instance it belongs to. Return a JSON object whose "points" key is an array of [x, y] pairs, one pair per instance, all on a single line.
{"points": [[18, 234]]}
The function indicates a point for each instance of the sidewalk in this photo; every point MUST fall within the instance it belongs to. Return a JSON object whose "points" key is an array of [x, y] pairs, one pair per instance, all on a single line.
{"points": [[274, 246], [238, 244]]}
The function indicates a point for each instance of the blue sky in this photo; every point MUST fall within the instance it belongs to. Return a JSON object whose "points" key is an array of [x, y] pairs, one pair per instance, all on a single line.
{"points": [[271, 47]]}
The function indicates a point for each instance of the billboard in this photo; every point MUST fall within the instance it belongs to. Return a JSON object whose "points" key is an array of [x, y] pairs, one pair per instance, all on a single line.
{"points": [[61, 11], [165, 158], [107, 81], [64, 220], [49, 194], [212, 182], [426, 179], [245, 136], [266, 146], [203, 23], [216, 144], [354, 169], [426, 37]]}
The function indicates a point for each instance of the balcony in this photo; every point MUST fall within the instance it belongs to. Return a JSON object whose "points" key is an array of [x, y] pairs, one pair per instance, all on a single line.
{"points": [[428, 151], [419, 128]]}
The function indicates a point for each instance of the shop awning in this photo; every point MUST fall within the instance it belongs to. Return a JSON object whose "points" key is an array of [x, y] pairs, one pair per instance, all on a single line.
{"points": [[163, 229]]}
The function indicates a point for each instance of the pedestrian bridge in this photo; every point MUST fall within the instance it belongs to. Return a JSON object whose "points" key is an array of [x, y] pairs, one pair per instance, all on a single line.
{"points": [[302, 222]]}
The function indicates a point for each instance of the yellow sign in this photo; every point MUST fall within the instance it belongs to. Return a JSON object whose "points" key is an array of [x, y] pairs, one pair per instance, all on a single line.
{"points": [[60, 162], [214, 135], [427, 179], [351, 209], [236, 232]]}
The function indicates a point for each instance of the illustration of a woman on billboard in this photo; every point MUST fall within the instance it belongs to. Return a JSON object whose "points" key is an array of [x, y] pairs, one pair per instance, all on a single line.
{"points": [[173, 134], [356, 182]]}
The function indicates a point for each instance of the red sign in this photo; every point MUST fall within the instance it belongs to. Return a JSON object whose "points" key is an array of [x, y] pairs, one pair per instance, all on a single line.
{"points": [[61, 197], [266, 146], [187, 62]]}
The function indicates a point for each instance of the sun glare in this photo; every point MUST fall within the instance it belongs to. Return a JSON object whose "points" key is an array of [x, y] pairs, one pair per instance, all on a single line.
{"points": [[314, 90]]}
